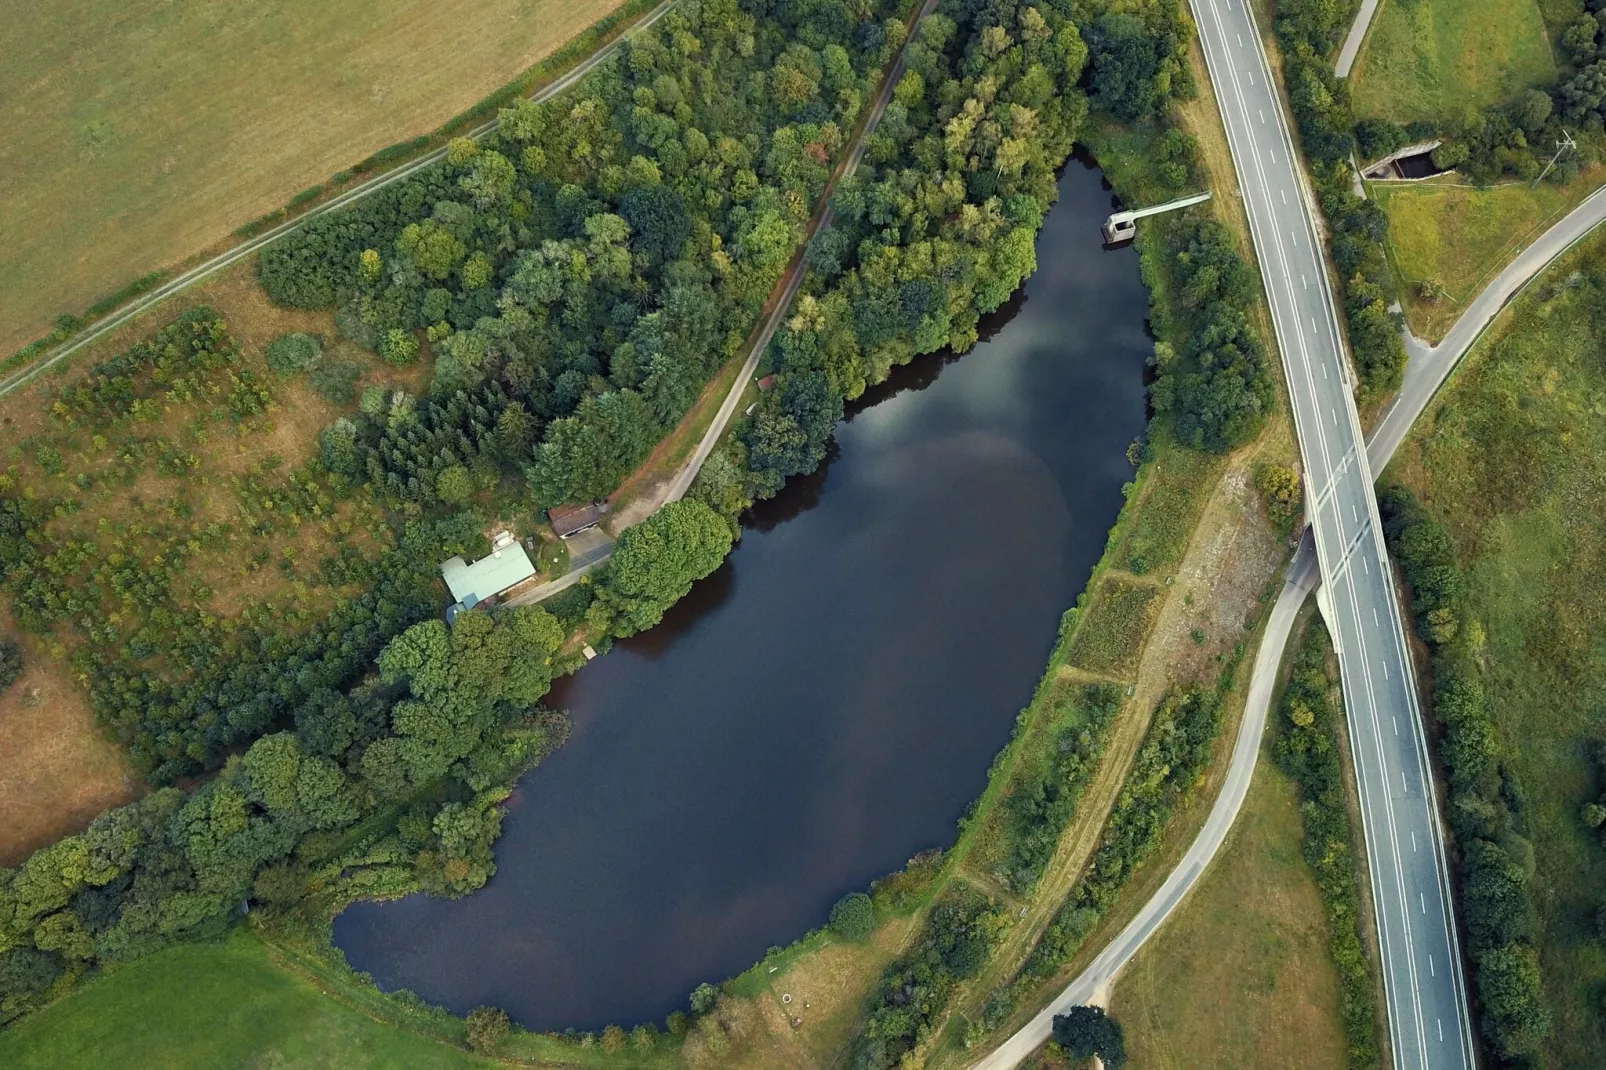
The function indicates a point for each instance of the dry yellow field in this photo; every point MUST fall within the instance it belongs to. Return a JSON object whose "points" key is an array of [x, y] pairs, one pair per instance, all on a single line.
{"points": [[1241, 976], [135, 134]]}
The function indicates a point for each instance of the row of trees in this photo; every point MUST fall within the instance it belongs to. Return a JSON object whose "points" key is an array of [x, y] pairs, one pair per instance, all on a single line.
{"points": [[601, 254], [1042, 802], [1219, 390], [1484, 807], [1308, 30], [1173, 757], [1307, 747]]}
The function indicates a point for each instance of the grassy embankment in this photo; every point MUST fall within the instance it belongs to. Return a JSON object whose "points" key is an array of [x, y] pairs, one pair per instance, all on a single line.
{"points": [[1459, 236], [1434, 59], [213, 1005], [1440, 60], [112, 167], [1512, 457]]}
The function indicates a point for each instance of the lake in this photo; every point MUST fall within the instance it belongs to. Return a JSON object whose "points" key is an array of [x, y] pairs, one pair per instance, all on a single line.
{"points": [[826, 704]]}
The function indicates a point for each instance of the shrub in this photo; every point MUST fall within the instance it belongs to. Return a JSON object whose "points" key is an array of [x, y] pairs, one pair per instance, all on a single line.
{"points": [[853, 916], [336, 380], [291, 353], [487, 1026], [10, 662], [1088, 1031], [399, 347]]}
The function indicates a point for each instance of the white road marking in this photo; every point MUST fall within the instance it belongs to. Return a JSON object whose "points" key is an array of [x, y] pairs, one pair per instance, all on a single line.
{"points": [[1368, 569], [1293, 237], [1284, 195], [1423, 900], [1251, 77], [1413, 841], [1440, 1022], [1324, 371], [1313, 327], [1303, 281], [1240, 39], [1263, 123], [1431, 970], [1385, 666], [1405, 785], [1374, 616], [1333, 414], [1354, 515], [1396, 721]]}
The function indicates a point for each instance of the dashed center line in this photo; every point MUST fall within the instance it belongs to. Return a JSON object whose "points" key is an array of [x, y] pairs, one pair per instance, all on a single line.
{"points": [[1374, 616], [1423, 900], [1431, 970], [1262, 118], [1396, 721], [1413, 841]]}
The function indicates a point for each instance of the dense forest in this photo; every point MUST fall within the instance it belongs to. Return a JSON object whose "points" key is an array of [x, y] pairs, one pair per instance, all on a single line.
{"points": [[576, 277], [579, 274]]}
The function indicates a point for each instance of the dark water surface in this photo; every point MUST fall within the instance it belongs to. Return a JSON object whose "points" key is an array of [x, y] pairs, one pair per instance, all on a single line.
{"points": [[827, 703]]}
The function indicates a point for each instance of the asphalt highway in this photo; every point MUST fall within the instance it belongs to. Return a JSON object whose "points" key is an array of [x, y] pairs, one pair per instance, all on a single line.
{"points": [[1430, 366], [1424, 988]]}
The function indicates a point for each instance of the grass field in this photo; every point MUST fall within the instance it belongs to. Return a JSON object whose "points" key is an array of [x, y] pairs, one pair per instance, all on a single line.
{"points": [[58, 771], [1435, 59], [1241, 975], [213, 1005], [133, 135], [1460, 236], [1513, 458]]}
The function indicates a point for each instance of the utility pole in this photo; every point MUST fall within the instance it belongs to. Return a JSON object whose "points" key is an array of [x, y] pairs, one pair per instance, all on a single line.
{"points": [[1562, 146]]}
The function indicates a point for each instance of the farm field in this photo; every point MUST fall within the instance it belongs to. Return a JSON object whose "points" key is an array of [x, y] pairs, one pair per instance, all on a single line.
{"points": [[1437, 59], [135, 135], [1526, 415], [1242, 974]]}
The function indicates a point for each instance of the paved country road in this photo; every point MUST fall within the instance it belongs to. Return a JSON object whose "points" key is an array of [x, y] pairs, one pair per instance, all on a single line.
{"points": [[1430, 366], [1424, 987], [345, 200], [1357, 34]]}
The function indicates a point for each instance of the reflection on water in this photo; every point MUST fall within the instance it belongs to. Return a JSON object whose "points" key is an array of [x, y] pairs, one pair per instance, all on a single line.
{"points": [[827, 703]]}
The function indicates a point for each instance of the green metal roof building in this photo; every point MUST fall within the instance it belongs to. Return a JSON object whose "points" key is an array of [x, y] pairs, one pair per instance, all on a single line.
{"points": [[489, 575]]}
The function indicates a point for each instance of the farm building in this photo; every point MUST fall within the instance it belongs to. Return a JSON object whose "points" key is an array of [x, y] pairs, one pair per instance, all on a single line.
{"points": [[488, 577], [573, 519]]}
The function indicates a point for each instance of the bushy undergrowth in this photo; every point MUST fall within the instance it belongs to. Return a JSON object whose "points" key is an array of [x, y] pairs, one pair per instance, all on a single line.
{"points": [[1484, 806], [1306, 743]]}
